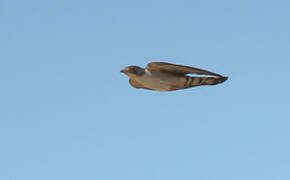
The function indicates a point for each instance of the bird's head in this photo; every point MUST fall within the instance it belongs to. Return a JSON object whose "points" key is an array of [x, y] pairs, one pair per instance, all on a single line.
{"points": [[133, 71]]}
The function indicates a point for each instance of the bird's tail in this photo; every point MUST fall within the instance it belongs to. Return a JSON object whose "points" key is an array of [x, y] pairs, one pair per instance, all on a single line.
{"points": [[198, 81]]}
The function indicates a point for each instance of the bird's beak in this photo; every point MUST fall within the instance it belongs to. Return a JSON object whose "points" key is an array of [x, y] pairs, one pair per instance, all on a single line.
{"points": [[125, 70]]}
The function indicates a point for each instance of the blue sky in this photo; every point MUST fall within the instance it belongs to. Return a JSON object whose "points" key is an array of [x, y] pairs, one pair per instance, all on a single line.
{"points": [[68, 113]]}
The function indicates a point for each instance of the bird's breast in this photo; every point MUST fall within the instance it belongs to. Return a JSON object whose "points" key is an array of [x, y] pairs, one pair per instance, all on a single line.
{"points": [[158, 81]]}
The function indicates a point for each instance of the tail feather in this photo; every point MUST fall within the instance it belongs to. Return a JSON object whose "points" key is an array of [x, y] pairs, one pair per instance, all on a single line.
{"points": [[198, 81], [213, 80]]}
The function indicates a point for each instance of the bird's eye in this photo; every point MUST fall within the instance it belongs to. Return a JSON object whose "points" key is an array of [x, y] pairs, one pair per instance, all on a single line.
{"points": [[133, 70]]}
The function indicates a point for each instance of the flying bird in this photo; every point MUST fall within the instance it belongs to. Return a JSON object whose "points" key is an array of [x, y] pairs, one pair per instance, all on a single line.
{"points": [[161, 76]]}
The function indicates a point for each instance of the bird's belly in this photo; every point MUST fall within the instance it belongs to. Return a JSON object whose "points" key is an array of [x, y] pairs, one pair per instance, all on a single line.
{"points": [[158, 83], [159, 86]]}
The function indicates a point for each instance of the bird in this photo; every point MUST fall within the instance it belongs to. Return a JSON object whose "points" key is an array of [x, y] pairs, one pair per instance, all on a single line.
{"points": [[163, 76]]}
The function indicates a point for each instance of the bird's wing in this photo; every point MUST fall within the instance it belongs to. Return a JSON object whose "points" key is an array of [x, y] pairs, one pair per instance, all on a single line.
{"points": [[135, 84], [178, 69]]}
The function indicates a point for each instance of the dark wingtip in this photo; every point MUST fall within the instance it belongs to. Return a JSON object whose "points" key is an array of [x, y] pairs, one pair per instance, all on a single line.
{"points": [[223, 79]]}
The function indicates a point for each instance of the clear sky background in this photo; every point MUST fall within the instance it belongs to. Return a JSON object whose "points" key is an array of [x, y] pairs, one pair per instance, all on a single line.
{"points": [[66, 111]]}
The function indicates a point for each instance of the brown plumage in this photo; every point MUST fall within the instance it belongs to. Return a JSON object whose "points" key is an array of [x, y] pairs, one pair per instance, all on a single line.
{"points": [[161, 76]]}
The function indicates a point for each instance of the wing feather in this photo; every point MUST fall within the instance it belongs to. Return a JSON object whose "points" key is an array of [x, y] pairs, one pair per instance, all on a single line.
{"points": [[178, 69]]}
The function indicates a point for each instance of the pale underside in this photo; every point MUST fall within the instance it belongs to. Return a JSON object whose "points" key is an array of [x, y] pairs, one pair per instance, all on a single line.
{"points": [[156, 80]]}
